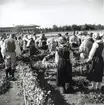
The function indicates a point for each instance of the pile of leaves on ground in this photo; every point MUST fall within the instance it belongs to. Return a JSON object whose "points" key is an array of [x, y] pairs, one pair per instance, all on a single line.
{"points": [[35, 95], [81, 67], [32, 92], [26, 57], [80, 83], [4, 83], [95, 98]]}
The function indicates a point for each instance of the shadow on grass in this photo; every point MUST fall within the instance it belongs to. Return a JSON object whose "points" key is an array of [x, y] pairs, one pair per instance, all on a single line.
{"points": [[53, 95], [5, 87]]}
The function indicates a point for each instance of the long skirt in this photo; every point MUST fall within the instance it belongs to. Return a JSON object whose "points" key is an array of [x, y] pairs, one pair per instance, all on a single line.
{"points": [[96, 72], [64, 72]]}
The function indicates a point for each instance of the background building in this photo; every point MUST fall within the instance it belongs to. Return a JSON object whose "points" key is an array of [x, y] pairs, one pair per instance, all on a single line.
{"points": [[20, 29]]}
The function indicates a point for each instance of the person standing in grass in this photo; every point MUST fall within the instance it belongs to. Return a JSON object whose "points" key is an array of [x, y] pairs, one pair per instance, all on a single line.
{"points": [[67, 36], [10, 55], [62, 63], [64, 66], [41, 42], [86, 46], [95, 56]]}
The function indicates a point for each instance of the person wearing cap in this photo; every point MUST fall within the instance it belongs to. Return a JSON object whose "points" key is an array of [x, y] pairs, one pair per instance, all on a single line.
{"points": [[95, 56], [10, 48], [34, 36], [74, 41], [32, 48], [64, 68], [42, 41], [67, 36], [59, 36]]}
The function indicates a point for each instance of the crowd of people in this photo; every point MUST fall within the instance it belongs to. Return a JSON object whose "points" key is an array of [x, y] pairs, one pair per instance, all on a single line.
{"points": [[89, 47]]}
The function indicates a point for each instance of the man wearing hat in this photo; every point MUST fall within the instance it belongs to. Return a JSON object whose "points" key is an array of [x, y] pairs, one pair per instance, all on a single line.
{"points": [[67, 36], [42, 41]]}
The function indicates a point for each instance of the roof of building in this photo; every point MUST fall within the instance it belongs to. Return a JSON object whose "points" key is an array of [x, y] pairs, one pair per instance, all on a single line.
{"points": [[20, 26], [27, 26], [7, 27]]}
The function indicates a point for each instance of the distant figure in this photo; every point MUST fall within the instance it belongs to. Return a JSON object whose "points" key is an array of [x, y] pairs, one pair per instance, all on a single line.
{"points": [[1, 46], [25, 41], [34, 36], [20, 41], [3, 50], [74, 41], [85, 47], [18, 48], [52, 44], [42, 42], [59, 36], [32, 49], [67, 36]]}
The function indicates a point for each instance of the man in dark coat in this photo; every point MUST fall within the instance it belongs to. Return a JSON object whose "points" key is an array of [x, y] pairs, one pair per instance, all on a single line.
{"points": [[10, 56]]}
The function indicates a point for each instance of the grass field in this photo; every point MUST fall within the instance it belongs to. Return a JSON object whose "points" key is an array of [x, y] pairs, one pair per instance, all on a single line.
{"points": [[55, 34], [82, 95], [45, 83]]}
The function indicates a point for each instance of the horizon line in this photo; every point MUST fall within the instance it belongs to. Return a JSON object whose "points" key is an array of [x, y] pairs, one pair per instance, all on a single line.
{"points": [[51, 25]]}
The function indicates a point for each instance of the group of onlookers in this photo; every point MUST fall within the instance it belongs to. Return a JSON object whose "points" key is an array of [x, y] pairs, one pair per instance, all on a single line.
{"points": [[90, 47], [13, 45]]}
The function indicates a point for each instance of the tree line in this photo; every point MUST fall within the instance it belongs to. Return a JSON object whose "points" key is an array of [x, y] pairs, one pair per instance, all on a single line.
{"points": [[74, 27]]}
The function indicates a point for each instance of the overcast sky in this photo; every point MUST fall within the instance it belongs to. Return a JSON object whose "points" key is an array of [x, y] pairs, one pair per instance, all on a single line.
{"points": [[49, 12]]}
